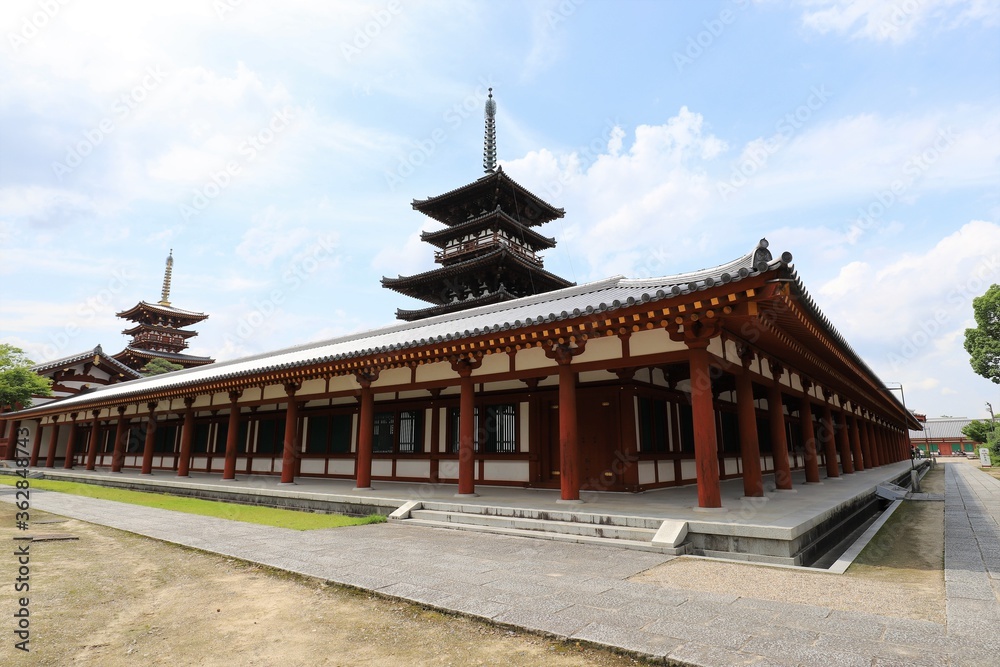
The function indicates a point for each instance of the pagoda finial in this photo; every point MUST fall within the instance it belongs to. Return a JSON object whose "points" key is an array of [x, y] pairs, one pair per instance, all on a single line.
{"points": [[165, 296], [490, 148]]}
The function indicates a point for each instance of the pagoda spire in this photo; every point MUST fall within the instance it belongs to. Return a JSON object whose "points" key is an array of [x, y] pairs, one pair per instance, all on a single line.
{"points": [[490, 139], [165, 295]]}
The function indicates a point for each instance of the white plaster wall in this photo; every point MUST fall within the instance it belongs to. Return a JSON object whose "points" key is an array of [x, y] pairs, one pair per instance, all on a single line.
{"points": [[600, 349], [437, 371], [524, 426], [688, 469], [506, 471], [419, 468], [647, 472], [382, 468], [392, 376], [665, 470], [652, 341], [493, 363], [313, 466], [533, 358], [340, 467]]}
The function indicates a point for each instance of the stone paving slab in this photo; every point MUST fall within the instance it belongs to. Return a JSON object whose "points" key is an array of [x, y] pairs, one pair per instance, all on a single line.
{"points": [[585, 592]]}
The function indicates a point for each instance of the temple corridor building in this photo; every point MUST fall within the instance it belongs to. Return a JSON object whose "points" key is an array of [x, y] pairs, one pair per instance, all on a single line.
{"points": [[514, 376]]}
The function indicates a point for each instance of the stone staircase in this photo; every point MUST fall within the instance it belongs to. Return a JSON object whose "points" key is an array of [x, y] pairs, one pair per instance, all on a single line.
{"points": [[627, 532]]}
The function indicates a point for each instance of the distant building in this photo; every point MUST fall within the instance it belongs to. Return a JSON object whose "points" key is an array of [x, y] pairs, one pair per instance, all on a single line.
{"points": [[944, 437], [159, 331]]}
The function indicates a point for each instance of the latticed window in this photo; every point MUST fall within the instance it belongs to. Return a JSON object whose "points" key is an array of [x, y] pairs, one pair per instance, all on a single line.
{"points": [[410, 431], [496, 434], [652, 425], [383, 436]]}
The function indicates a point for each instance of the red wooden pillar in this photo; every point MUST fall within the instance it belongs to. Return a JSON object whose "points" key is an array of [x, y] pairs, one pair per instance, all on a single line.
{"points": [[706, 445], [753, 482], [844, 439], [466, 433], [366, 427], [569, 444], [873, 444], [71, 443], [880, 439], [291, 454], [11, 452], [859, 463], [776, 420], [118, 454], [95, 433], [187, 437], [829, 442], [147, 449], [808, 437], [36, 446], [866, 450], [232, 435], [50, 457]]}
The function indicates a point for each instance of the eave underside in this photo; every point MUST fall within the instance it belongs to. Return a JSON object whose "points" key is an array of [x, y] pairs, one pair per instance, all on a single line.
{"points": [[485, 195]]}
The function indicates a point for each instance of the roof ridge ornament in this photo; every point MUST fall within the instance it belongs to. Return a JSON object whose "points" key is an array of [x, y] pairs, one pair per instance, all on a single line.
{"points": [[490, 138], [165, 294], [761, 256]]}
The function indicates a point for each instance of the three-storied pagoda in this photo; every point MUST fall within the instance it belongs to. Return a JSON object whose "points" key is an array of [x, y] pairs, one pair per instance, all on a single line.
{"points": [[159, 331], [488, 250]]}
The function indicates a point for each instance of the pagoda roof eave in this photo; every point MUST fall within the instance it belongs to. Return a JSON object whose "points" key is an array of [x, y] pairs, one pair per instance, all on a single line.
{"points": [[189, 316], [441, 237], [418, 314], [181, 333], [429, 206], [400, 283], [160, 354]]}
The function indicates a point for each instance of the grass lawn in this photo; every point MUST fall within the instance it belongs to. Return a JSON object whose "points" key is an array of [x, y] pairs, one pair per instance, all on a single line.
{"points": [[267, 516]]}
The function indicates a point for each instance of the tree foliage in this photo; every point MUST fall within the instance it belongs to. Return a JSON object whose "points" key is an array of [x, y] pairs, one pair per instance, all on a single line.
{"points": [[18, 383], [983, 342], [978, 430], [158, 366]]}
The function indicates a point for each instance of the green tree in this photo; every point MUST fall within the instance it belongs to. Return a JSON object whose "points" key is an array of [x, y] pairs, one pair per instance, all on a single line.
{"points": [[158, 366], [18, 383], [979, 430], [983, 342]]}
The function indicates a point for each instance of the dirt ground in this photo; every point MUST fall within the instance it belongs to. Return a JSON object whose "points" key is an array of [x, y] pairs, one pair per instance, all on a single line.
{"points": [[900, 573], [114, 599]]}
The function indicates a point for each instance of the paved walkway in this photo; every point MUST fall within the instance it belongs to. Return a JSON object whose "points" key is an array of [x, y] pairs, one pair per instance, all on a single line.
{"points": [[583, 592]]}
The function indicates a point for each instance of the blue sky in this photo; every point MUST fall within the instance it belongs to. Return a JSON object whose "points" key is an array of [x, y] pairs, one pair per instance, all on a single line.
{"points": [[276, 147]]}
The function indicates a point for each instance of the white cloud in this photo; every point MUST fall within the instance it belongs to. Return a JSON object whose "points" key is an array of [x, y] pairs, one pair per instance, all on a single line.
{"points": [[896, 21]]}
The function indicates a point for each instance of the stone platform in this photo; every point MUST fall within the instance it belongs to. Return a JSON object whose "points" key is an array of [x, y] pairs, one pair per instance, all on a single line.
{"points": [[783, 527]]}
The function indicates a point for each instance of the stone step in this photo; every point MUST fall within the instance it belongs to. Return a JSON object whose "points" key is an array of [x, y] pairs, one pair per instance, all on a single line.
{"points": [[538, 525], [546, 515], [555, 537]]}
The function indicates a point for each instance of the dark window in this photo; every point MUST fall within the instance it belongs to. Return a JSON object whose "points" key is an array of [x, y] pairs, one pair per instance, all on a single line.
{"points": [[108, 440], [652, 425], [687, 428], [764, 435], [136, 439], [383, 435], [201, 435], [340, 434], [730, 435], [411, 431], [164, 438], [318, 434], [270, 436]]}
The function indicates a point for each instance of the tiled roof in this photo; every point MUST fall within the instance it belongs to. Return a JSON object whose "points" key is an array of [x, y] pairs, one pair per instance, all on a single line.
{"points": [[949, 427], [84, 356], [571, 302], [401, 283], [166, 310], [596, 297]]}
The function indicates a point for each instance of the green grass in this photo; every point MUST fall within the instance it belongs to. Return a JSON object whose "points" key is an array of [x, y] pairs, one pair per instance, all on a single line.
{"points": [[267, 516]]}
